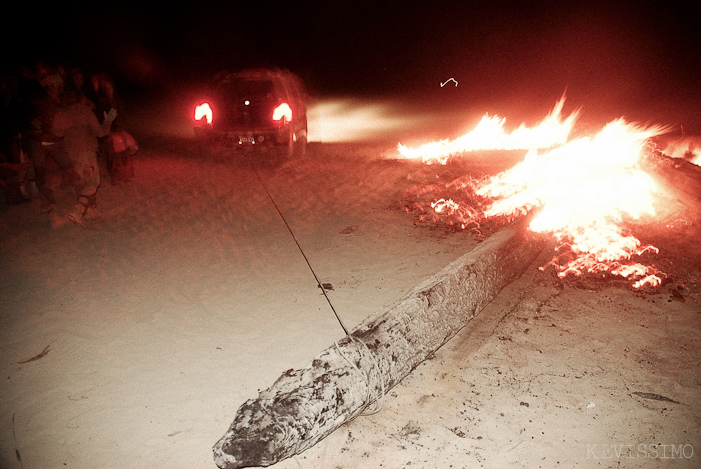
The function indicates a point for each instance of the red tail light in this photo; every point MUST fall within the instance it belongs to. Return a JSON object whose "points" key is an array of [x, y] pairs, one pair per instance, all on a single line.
{"points": [[282, 111], [203, 111]]}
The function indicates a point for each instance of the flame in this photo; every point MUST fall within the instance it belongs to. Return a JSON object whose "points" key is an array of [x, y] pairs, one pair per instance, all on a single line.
{"points": [[580, 191], [490, 135]]}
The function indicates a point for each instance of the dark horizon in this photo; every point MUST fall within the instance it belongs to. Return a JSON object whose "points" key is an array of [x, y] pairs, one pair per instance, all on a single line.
{"points": [[633, 58]]}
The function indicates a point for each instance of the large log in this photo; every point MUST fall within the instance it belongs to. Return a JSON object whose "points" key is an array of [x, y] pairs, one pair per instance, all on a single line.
{"points": [[303, 406], [679, 176]]}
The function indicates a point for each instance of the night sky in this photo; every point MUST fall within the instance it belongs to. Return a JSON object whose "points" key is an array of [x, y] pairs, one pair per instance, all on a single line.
{"points": [[613, 58]]}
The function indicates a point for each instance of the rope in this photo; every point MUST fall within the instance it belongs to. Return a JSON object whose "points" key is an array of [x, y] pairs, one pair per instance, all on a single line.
{"points": [[378, 398], [318, 282]]}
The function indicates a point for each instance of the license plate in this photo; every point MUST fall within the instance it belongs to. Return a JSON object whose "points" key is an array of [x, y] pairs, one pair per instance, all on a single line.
{"points": [[247, 140]]}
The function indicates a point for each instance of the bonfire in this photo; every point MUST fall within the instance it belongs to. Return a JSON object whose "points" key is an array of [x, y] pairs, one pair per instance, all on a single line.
{"points": [[580, 189]]}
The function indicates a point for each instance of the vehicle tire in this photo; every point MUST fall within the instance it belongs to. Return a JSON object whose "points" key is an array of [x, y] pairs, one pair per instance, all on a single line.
{"points": [[299, 142], [300, 146], [287, 148]]}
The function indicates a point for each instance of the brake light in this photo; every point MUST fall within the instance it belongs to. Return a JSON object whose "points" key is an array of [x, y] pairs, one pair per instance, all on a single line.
{"points": [[283, 110], [203, 111]]}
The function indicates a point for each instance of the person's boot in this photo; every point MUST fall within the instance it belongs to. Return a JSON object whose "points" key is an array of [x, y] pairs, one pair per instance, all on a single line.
{"points": [[76, 214]]}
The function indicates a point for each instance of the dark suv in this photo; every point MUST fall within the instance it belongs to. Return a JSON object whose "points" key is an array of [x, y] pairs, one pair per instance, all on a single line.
{"points": [[256, 109]]}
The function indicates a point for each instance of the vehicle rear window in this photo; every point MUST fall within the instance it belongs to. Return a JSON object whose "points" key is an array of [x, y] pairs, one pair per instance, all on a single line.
{"points": [[237, 89]]}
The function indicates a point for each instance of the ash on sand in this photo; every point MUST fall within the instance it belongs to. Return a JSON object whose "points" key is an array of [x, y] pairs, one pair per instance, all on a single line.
{"points": [[189, 296]]}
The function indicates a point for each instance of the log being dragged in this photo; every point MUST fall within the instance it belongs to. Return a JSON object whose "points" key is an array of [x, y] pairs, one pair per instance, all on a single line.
{"points": [[304, 406]]}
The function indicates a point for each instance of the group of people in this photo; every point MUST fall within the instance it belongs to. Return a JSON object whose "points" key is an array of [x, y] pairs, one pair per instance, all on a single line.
{"points": [[62, 123]]}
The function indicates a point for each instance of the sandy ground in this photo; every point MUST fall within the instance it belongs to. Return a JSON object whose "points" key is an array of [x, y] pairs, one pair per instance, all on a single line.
{"points": [[130, 342]]}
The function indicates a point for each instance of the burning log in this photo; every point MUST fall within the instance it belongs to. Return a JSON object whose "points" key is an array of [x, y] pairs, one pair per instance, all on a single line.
{"points": [[677, 174], [304, 406]]}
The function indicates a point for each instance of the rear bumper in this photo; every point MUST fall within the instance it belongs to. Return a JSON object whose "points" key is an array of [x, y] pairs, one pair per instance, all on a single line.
{"points": [[257, 137], [251, 137]]}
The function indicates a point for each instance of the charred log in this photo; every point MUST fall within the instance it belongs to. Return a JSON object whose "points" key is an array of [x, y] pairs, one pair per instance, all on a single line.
{"points": [[678, 175], [304, 406]]}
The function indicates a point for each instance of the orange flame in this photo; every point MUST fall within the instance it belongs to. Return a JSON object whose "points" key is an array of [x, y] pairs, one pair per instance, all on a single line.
{"points": [[582, 189], [490, 135]]}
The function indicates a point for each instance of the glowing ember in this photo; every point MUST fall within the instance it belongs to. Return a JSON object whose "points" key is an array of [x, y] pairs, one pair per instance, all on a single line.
{"points": [[581, 191], [490, 135]]}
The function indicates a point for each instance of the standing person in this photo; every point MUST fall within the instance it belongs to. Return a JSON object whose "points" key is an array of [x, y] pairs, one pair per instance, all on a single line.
{"points": [[12, 174], [122, 147], [77, 82], [39, 102], [119, 146], [80, 130]]}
